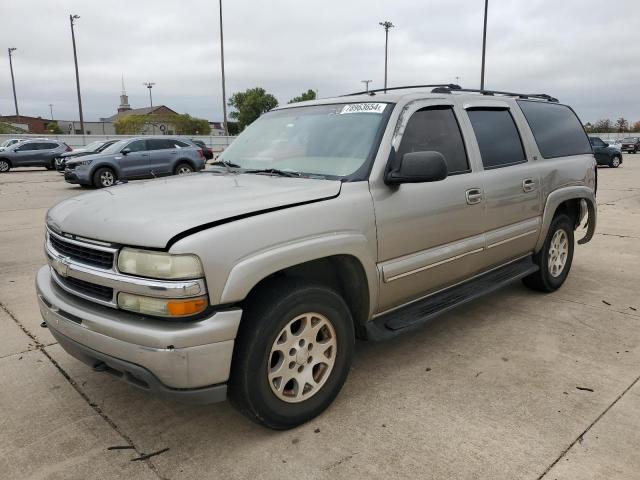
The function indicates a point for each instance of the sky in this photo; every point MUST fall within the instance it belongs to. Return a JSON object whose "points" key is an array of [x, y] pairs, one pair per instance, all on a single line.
{"points": [[582, 51]]}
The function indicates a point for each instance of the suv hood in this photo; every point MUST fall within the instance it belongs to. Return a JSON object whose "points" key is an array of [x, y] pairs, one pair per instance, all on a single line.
{"points": [[151, 213]]}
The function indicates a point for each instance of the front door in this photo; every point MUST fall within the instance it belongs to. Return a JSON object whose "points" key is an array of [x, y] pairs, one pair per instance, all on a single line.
{"points": [[136, 163], [511, 182], [599, 150], [430, 235]]}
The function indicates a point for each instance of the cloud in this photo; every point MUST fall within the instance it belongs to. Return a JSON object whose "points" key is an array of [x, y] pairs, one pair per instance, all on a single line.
{"points": [[582, 54]]}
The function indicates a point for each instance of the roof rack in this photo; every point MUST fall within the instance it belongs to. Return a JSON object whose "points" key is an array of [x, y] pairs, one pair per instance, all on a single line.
{"points": [[448, 86], [449, 89]]}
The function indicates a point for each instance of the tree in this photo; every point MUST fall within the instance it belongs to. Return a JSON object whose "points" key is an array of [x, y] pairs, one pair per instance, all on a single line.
{"points": [[54, 128], [250, 104], [603, 126], [588, 127], [131, 124], [622, 124], [185, 124], [636, 127], [308, 95]]}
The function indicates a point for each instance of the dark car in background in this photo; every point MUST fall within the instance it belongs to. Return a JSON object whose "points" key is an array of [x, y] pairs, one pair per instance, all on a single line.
{"points": [[208, 153], [630, 144], [32, 153], [133, 158], [604, 153], [93, 147]]}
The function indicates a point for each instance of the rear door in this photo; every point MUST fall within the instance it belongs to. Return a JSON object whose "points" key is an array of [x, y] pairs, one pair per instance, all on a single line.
{"points": [[47, 152], [136, 163], [511, 181], [164, 154]]}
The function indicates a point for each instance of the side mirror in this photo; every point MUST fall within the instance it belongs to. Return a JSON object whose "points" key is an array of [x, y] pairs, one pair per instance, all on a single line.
{"points": [[125, 151], [418, 167]]}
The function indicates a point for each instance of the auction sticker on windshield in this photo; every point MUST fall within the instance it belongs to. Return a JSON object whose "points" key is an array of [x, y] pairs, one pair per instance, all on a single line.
{"points": [[363, 108]]}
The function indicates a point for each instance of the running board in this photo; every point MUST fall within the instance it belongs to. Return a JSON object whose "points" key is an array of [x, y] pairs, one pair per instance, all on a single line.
{"points": [[418, 313]]}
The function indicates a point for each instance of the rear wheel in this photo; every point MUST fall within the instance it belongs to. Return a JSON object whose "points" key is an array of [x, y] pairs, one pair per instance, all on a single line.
{"points": [[5, 166], [183, 169], [615, 162], [104, 177], [293, 353], [555, 257]]}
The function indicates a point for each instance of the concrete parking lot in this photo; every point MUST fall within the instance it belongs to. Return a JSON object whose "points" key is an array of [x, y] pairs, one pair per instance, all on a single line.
{"points": [[518, 385]]}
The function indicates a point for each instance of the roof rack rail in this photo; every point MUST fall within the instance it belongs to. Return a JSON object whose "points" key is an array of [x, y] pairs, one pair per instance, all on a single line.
{"points": [[540, 96], [448, 86]]}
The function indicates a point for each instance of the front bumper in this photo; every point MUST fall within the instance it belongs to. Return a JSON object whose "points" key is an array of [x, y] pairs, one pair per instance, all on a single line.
{"points": [[189, 361], [77, 177]]}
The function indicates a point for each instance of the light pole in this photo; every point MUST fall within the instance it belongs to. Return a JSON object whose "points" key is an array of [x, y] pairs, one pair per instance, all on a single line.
{"points": [[224, 92], [75, 59], [51, 110], [149, 85], [13, 82], [484, 43], [386, 25], [366, 82]]}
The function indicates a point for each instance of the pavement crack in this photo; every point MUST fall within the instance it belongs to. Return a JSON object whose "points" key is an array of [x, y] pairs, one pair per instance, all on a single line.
{"points": [[96, 408], [616, 235], [580, 437]]}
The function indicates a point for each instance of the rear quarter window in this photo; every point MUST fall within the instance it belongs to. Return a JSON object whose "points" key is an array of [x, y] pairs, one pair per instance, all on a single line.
{"points": [[556, 129]]}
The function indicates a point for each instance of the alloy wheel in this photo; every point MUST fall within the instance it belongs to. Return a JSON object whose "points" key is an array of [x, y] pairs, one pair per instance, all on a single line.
{"points": [[558, 252], [4, 166], [302, 357], [106, 178]]}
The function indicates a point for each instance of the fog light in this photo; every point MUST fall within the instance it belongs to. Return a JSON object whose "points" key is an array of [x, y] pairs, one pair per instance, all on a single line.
{"points": [[162, 307]]}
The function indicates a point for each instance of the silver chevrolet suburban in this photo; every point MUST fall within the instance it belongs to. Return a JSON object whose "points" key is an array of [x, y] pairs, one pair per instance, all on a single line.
{"points": [[358, 216]]}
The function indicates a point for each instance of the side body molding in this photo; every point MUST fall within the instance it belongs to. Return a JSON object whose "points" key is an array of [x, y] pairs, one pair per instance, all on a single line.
{"points": [[556, 197], [254, 268]]}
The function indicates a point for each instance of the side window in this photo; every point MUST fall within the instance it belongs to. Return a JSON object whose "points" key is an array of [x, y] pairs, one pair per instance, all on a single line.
{"points": [[596, 142], [556, 128], [181, 144], [137, 146], [436, 129], [498, 137], [28, 147], [155, 144], [49, 146]]}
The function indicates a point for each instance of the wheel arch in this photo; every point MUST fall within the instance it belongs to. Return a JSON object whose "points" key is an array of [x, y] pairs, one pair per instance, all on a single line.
{"points": [[8, 160], [568, 200], [341, 262]]}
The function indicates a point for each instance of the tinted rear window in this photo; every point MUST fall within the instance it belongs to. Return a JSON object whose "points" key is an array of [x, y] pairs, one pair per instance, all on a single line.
{"points": [[556, 128], [498, 137]]}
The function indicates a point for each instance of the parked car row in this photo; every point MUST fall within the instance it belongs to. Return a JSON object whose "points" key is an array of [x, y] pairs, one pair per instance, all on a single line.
{"points": [[102, 163]]}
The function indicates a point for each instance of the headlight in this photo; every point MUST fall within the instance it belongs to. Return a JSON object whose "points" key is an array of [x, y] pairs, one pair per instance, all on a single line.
{"points": [[162, 307], [146, 263], [84, 162]]}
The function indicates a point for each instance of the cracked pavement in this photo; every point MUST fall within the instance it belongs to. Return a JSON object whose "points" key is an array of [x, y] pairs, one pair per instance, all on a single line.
{"points": [[499, 388]]}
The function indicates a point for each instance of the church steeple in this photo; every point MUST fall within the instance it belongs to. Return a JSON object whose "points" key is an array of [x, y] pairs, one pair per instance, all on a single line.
{"points": [[124, 99]]}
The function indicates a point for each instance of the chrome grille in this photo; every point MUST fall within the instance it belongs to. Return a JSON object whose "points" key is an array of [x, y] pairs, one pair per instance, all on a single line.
{"points": [[90, 256]]}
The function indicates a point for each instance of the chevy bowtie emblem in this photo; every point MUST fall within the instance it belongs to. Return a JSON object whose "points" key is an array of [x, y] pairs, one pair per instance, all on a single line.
{"points": [[61, 265]]}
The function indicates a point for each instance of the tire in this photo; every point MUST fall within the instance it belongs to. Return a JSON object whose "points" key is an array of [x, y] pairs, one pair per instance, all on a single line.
{"points": [[183, 169], [5, 166], [286, 314], [615, 162], [552, 275], [104, 177]]}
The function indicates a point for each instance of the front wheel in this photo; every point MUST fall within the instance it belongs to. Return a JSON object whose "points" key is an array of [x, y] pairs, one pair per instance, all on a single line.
{"points": [[615, 162], [293, 353], [104, 177], [555, 257]]}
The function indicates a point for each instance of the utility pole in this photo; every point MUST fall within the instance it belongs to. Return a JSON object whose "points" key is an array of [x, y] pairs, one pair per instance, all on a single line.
{"points": [[13, 82], [484, 43], [51, 110], [149, 85], [75, 59], [386, 25], [457, 80], [224, 92], [366, 82]]}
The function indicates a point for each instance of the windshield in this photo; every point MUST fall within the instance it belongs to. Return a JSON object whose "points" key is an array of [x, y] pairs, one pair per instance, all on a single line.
{"points": [[329, 140], [92, 146], [116, 147]]}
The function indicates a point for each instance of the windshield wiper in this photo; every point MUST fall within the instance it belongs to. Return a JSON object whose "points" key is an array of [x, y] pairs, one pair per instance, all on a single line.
{"points": [[224, 163], [273, 171]]}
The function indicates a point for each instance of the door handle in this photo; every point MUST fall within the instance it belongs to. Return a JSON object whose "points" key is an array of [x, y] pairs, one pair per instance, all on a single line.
{"points": [[528, 185], [473, 196]]}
